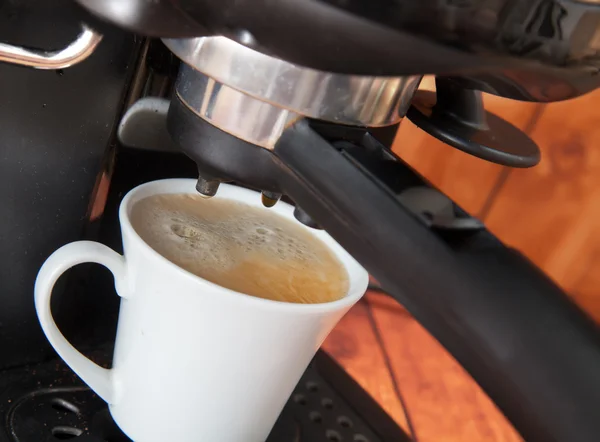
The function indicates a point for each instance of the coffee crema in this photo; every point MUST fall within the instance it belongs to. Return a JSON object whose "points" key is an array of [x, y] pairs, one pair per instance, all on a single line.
{"points": [[241, 247]]}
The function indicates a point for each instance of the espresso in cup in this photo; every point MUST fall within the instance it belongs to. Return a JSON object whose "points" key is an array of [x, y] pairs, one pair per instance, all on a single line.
{"points": [[243, 248]]}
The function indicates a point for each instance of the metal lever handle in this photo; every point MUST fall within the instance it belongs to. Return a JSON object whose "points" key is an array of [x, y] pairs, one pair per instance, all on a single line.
{"points": [[81, 48]]}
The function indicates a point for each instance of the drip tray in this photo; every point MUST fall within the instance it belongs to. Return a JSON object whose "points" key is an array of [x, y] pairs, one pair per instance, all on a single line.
{"points": [[77, 414], [48, 403]]}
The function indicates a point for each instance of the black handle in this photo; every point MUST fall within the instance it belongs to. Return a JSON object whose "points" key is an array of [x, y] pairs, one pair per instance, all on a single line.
{"points": [[530, 348], [456, 116]]}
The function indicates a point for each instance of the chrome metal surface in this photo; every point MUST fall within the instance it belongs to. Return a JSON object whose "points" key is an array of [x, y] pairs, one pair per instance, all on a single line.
{"points": [[81, 48], [344, 99], [232, 111]]}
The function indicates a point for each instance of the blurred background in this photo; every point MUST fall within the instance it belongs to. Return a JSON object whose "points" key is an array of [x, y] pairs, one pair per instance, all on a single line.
{"points": [[551, 213]]}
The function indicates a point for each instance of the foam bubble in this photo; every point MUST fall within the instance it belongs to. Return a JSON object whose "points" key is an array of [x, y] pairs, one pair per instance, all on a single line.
{"points": [[184, 231]]}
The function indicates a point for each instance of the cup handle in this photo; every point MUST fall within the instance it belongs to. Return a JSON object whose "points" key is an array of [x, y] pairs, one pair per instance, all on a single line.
{"points": [[99, 379]]}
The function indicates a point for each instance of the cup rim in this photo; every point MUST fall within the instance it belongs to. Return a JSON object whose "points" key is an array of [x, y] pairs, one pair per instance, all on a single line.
{"points": [[358, 276]]}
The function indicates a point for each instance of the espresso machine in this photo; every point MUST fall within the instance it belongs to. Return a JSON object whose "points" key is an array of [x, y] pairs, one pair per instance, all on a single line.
{"points": [[300, 99]]}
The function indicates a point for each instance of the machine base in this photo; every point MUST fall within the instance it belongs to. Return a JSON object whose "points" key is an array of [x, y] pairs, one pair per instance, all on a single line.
{"points": [[48, 403]]}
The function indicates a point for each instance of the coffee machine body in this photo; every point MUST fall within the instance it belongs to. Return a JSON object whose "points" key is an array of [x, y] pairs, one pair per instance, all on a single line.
{"points": [[359, 64], [57, 141]]}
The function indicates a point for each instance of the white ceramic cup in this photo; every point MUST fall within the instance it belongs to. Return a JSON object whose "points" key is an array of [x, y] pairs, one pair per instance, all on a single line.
{"points": [[194, 361]]}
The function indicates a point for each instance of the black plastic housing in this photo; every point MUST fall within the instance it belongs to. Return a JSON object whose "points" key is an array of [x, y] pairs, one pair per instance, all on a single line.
{"points": [[534, 50], [56, 129]]}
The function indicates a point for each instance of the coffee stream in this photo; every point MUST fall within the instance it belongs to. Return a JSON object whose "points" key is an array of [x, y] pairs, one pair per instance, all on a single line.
{"points": [[244, 248]]}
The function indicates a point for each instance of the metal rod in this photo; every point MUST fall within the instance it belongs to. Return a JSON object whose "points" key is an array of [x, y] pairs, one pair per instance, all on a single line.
{"points": [[81, 48]]}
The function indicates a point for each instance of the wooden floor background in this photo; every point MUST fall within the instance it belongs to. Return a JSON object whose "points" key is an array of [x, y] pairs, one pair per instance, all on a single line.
{"points": [[550, 212]]}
